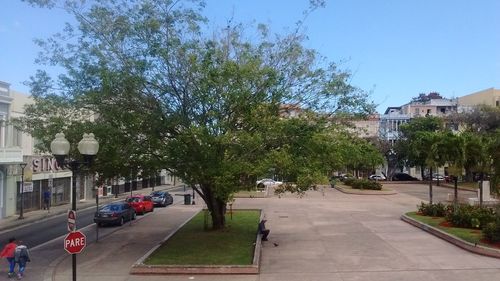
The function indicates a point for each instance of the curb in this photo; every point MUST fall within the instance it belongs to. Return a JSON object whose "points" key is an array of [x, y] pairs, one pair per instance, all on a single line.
{"points": [[139, 268], [365, 191], [474, 248]]}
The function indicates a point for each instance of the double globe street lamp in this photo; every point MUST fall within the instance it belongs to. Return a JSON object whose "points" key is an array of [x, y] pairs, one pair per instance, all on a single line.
{"points": [[88, 147], [21, 190]]}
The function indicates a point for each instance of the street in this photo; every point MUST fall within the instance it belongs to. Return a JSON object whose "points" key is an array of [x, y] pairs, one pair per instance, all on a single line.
{"points": [[38, 233]]}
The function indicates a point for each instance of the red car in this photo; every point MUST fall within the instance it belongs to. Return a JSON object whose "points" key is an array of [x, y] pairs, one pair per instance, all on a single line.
{"points": [[141, 203]]}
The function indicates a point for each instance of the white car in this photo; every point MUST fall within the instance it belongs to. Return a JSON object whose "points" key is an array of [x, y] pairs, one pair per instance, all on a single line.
{"points": [[269, 182], [377, 177], [439, 177]]}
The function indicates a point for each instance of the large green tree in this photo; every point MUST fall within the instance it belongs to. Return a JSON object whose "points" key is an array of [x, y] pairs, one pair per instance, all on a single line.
{"points": [[413, 147], [207, 107]]}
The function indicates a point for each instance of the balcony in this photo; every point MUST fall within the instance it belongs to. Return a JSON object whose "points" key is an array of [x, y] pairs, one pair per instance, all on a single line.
{"points": [[11, 155]]}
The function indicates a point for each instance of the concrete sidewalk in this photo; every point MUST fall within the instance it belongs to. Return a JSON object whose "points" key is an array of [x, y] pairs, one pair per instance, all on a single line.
{"points": [[40, 215], [322, 236]]}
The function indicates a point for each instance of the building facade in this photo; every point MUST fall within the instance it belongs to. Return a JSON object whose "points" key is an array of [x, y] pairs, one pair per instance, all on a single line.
{"points": [[489, 97], [11, 154], [367, 128]]}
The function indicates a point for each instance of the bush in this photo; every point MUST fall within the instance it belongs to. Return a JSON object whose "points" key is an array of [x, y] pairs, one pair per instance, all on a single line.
{"points": [[432, 210], [470, 216], [492, 231], [366, 184], [348, 181]]}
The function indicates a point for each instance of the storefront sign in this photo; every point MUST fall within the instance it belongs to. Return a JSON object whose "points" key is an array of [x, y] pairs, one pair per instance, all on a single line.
{"points": [[27, 187], [45, 164]]}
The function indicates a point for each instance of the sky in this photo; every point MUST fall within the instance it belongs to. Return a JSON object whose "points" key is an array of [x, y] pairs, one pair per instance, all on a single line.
{"points": [[395, 49]]}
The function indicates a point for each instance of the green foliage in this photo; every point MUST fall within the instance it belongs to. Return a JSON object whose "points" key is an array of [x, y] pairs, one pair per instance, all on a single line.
{"points": [[363, 184], [211, 109], [470, 216], [348, 181], [433, 210], [418, 140], [492, 231]]}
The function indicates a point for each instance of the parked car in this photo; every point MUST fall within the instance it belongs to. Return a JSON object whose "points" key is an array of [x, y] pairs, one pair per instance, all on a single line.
{"points": [[403, 177], [439, 177], [161, 198], [268, 182], [377, 177], [141, 203], [114, 213], [345, 176]]}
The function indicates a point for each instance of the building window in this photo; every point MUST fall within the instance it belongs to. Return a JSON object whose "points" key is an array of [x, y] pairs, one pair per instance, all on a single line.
{"points": [[498, 102]]}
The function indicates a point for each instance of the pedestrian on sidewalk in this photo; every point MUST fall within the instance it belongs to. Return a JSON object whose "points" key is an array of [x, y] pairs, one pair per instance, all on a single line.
{"points": [[8, 252], [46, 200], [22, 256]]}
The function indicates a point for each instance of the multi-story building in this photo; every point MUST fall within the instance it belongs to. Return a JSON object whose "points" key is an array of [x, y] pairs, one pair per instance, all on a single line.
{"points": [[489, 97], [390, 122], [11, 154], [439, 107], [427, 105]]}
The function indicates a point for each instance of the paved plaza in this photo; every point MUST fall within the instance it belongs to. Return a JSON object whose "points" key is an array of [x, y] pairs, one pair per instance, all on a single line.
{"points": [[323, 236]]}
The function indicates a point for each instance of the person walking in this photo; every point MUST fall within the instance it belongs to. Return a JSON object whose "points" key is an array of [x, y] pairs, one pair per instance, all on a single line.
{"points": [[8, 252], [22, 256], [46, 200]]}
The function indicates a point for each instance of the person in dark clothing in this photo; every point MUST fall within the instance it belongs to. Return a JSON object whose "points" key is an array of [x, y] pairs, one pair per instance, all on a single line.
{"points": [[263, 230], [21, 256], [46, 200]]}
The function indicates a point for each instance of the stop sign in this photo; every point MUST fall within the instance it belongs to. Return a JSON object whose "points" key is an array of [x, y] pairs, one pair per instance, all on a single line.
{"points": [[74, 242]]}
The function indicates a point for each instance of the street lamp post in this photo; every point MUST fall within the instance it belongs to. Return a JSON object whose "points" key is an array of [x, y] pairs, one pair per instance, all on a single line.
{"points": [[97, 211], [21, 209], [391, 157], [88, 147]]}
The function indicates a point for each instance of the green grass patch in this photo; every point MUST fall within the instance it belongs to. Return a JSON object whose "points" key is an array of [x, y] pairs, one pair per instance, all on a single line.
{"points": [[467, 234], [469, 185], [250, 194], [192, 245]]}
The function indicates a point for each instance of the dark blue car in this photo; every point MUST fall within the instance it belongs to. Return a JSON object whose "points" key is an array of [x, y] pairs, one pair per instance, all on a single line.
{"points": [[114, 213], [162, 198]]}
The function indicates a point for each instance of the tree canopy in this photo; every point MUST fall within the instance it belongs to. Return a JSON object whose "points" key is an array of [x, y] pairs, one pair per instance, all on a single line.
{"points": [[158, 91]]}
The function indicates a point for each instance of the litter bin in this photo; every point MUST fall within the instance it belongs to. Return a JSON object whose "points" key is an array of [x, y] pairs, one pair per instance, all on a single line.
{"points": [[187, 199]]}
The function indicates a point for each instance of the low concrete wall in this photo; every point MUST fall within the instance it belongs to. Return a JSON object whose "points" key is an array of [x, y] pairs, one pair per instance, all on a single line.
{"points": [[478, 249], [143, 269]]}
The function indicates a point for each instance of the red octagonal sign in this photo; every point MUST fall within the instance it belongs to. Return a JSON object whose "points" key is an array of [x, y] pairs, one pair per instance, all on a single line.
{"points": [[74, 242]]}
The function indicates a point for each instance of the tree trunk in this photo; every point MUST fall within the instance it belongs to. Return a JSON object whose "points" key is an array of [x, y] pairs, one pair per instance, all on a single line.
{"points": [[455, 200], [430, 186], [216, 207], [481, 190]]}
